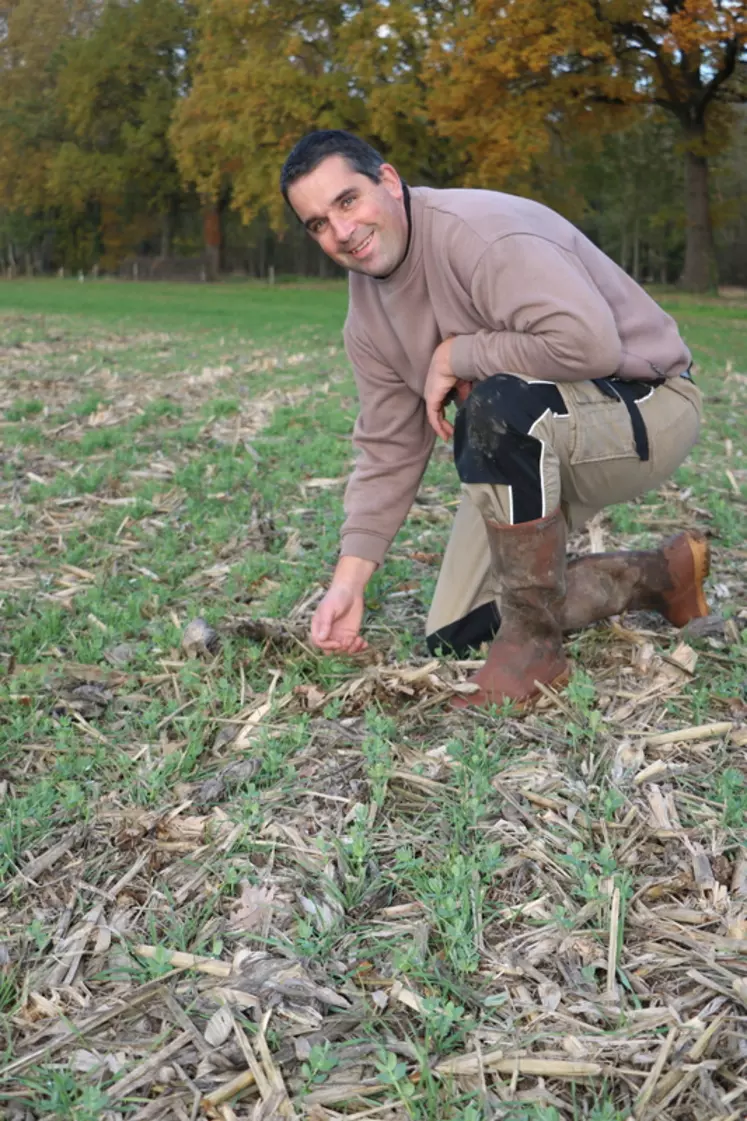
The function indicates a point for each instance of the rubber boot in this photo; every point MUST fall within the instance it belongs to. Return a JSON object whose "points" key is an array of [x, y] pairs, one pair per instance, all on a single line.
{"points": [[668, 580], [529, 560]]}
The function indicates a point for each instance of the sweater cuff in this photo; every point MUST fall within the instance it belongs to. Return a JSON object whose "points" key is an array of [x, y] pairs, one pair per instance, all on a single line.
{"points": [[462, 358], [367, 546]]}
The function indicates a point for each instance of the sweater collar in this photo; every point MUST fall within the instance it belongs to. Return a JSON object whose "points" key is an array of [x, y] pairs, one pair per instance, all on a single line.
{"points": [[402, 274]]}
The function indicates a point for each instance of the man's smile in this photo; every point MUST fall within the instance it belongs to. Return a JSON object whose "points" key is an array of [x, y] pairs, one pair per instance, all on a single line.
{"points": [[363, 245]]}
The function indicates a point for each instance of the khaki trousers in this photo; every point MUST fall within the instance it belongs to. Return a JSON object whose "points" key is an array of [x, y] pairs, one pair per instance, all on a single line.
{"points": [[588, 461]]}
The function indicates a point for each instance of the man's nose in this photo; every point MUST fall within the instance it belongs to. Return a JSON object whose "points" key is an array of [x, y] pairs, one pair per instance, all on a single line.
{"points": [[343, 228]]}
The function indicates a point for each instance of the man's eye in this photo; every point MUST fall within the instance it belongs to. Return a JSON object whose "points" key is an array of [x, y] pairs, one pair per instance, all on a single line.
{"points": [[348, 202]]}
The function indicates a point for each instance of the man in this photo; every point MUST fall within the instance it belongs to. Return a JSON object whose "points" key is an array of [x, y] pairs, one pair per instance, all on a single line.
{"points": [[574, 394]]}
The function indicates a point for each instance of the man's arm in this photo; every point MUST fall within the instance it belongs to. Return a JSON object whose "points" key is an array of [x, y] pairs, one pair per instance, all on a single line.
{"points": [[393, 441], [550, 320]]}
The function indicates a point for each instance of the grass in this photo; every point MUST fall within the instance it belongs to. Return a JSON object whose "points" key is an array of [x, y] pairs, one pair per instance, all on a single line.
{"points": [[258, 310], [423, 915]]}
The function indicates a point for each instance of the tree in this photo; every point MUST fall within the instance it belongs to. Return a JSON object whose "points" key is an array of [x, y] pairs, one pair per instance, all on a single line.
{"points": [[510, 74], [264, 74], [31, 122], [117, 89]]}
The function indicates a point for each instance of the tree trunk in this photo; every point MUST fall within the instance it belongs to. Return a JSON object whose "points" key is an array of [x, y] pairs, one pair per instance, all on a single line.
{"points": [[167, 233], [212, 238], [700, 274]]}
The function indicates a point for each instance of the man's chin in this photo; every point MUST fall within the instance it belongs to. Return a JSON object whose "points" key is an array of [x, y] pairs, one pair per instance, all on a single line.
{"points": [[367, 268], [377, 270]]}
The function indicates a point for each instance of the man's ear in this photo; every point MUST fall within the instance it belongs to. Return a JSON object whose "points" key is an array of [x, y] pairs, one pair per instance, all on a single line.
{"points": [[389, 177]]}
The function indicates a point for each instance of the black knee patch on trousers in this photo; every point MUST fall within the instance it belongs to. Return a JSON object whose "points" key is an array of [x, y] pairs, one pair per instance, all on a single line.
{"points": [[466, 634], [492, 443]]}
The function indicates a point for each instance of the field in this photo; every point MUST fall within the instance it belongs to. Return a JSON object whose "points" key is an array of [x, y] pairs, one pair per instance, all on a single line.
{"points": [[239, 879]]}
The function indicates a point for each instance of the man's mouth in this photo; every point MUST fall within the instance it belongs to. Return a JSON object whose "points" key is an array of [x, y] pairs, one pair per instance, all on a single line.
{"points": [[363, 245]]}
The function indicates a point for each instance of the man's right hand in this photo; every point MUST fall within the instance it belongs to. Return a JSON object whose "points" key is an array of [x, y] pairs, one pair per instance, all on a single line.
{"points": [[337, 621], [335, 627]]}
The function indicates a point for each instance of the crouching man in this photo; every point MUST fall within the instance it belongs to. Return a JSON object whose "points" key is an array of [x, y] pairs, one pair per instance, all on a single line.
{"points": [[574, 393]]}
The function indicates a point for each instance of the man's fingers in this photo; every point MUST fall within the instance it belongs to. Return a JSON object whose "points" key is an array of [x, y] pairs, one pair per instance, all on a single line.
{"points": [[464, 388], [320, 627], [439, 423], [336, 623], [346, 646], [433, 413], [329, 646]]}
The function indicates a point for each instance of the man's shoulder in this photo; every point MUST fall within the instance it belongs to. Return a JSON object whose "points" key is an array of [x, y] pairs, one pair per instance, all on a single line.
{"points": [[488, 215]]}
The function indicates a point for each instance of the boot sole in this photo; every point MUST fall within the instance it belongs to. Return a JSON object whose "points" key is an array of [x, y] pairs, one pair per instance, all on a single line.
{"points": [[690, 602], [520, 705]]}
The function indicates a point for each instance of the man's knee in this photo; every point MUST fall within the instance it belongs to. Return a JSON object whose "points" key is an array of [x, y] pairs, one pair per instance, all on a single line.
{"points": [[495, 406], [495, 428]]}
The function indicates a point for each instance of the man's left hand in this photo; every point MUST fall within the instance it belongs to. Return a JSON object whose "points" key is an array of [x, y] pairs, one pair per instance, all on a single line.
{"points": [[440, 383]]}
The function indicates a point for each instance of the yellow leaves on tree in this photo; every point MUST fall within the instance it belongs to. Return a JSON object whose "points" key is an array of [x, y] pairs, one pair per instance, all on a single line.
{"points": [[511, 74], [31, 121], [117, 88], [266, 74]]}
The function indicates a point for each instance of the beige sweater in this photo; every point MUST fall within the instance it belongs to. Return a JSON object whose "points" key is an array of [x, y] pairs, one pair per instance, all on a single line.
{"points": [[523, 291]]}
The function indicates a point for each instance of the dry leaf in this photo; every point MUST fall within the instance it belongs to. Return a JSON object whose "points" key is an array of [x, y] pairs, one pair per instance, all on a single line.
{"points": [[684, 656], [643, 657], [550, 995], [219, 1026], [739, 878], [737, 929], [628, 758], [702, 870], [663, 810], [84, 1061], [595, 527], [322, 914], [312, 695], [573, 1047], [199, 638], [216, 788], [254, 906]]}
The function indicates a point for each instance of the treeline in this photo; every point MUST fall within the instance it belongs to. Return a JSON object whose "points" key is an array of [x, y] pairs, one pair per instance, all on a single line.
{"points": [[145, 137]]}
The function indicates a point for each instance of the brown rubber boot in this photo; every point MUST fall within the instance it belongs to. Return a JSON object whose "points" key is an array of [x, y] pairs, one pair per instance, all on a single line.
{"points": [[529, 560], [668, 580]]}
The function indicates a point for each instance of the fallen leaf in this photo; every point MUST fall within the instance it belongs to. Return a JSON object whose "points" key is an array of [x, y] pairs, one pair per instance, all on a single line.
{"points": [[312, 695], [739, 878], [219, 1027], [199, 638], [629, 758], [253, 907], [216, 788], [550, 995]]}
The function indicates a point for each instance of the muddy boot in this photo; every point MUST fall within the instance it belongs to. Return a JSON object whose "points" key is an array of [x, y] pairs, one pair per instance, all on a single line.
{"points": [[529, 560], [668, 580]]}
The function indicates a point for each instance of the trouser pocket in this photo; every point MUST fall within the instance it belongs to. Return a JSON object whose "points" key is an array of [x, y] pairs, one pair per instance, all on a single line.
{"points": [[601, 426]]}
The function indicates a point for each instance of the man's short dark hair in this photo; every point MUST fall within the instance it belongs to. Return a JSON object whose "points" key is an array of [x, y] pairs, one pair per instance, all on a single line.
{"points": [[311, 149]]}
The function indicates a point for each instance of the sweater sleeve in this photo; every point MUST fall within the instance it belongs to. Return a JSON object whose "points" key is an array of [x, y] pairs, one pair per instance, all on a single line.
{"points": [[393, 441], [546, 318]]}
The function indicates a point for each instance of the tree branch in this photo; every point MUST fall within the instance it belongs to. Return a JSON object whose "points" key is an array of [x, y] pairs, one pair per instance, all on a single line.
{"points": [[645, 39], [730, 63]]}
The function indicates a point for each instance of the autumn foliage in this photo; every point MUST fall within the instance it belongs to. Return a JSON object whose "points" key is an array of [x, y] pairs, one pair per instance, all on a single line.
{"points": [[117, 116]]}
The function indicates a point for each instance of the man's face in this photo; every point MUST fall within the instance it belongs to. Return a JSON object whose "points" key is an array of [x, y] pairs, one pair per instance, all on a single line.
{"points": [[359, 224]]}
